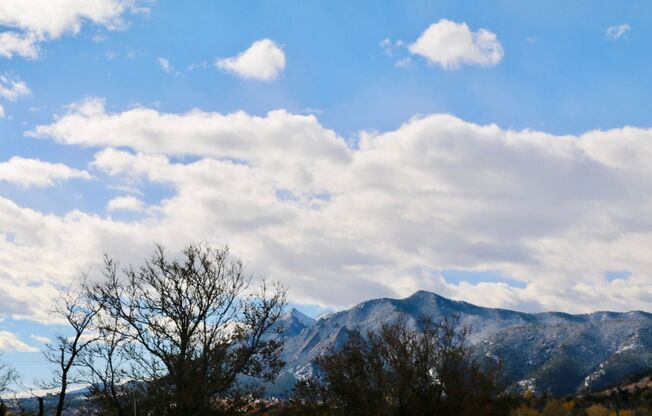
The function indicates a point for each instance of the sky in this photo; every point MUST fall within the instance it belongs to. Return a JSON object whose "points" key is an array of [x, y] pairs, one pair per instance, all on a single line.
{"points": [[495, 152]]}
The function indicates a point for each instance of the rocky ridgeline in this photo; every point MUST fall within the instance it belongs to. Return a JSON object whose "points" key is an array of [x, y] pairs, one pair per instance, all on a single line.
{"points": [[546, 352]]}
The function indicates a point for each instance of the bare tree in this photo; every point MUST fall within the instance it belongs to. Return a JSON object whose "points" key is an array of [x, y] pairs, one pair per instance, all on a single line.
{"points": [[8, 376], [37, 395], [105, 365], [401, 370], [198, 327], [78, 311]]}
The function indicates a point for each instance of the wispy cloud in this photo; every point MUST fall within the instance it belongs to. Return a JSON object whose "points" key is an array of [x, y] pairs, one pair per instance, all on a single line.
{"points": [[12, 88], [165, 65], [617, 31], [41, 339], [10, 342]]}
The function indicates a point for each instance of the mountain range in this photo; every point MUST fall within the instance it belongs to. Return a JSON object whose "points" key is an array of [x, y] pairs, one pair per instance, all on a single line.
{"points": [[551, 352]]}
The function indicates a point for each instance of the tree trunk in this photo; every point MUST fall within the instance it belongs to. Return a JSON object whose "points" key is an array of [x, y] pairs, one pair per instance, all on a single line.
{"points": [[40, 406], [116, 401], [62, 393]]}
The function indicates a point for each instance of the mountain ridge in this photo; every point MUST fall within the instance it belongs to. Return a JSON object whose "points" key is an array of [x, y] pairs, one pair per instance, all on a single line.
{"points": [[553, 352]]}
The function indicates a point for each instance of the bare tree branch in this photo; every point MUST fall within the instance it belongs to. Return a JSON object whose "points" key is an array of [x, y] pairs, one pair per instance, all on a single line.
{"points": [[79, 311], [194, 325]]}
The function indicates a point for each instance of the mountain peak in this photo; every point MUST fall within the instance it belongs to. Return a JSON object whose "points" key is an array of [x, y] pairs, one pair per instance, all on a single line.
{"points": [[535, 347], [296, 314], [424, 294]]}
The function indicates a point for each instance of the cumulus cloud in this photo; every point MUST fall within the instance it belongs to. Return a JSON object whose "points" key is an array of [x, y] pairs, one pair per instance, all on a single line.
{"points": [[34, 172], [617, 31], [342, 224], [41, 252], [34, 21], [451, 45], [296, 148], [10, 342], [125, 203], [262, 61]]}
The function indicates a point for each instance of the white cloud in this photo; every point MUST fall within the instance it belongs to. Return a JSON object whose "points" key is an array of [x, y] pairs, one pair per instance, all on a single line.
{"points": [[387, 46], [262, 61], [296, 148], [617, 31], [34, 172], [391, 49], [12, 88], [403, 63], [34, 21], [10, 342], [200, 65], [125, 203], [12, 43], [341, 225], [165, 65], [41, 339], [451, 45], [40, 252]]}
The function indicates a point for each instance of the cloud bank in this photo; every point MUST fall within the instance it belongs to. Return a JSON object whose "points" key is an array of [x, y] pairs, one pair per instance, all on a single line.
{"points": [[340, 224]]}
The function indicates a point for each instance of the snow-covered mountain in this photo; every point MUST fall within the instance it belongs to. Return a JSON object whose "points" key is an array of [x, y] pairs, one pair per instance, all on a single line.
{"points": [[555, 352]]}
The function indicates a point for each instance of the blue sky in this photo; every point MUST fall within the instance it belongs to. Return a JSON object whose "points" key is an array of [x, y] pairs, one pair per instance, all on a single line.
{"points": [[349, 149]]}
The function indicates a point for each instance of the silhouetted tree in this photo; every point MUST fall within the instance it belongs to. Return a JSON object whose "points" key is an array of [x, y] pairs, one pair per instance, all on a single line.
{"points": [[400, 370], [8, 376], [105, 367], [195, 327], [78, 311]]}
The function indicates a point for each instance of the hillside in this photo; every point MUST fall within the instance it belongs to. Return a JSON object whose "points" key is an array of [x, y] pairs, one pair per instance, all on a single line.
{"points": [[545, 352]]}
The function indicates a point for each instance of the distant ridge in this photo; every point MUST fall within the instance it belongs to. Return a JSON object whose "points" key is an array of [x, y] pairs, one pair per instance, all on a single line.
{"points": [[550, 352]]}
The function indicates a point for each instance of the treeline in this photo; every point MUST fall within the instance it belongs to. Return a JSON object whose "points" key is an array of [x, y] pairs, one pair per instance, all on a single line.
{"points": [[190, 335], [618, 402], [402, 370]]}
